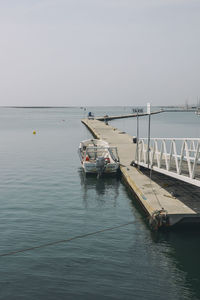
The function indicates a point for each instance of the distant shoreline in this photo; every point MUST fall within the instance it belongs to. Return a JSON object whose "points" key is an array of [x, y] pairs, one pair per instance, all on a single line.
{"points": [[165, 108], [37, 106]]}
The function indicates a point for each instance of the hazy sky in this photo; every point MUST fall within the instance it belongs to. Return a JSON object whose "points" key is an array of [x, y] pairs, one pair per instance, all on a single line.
{"points": [[99, 52]]}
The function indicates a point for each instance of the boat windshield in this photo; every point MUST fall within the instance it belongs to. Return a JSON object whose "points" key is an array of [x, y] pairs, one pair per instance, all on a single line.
{"points": [[94, 152]]}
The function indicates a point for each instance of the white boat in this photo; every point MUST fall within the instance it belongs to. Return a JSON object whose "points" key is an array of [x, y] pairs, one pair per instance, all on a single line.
{"points": [[98, 157]]}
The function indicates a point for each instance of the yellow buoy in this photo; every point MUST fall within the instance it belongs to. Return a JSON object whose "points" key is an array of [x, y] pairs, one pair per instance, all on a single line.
{"points": [[34, 132]]}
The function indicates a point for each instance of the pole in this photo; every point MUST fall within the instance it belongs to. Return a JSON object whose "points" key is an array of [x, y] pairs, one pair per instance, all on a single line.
{"points": [[149, 131], [137, 137]]}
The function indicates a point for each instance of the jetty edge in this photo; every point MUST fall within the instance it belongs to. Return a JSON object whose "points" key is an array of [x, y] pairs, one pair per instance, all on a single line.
{"points": [[110, 118], [162, 208]]}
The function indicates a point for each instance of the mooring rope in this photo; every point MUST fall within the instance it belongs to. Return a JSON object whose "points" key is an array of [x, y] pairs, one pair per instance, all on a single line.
{"points": [[65, 241], [153, 188]]}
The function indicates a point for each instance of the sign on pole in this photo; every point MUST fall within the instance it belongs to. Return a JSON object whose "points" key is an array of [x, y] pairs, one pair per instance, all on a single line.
{"points": [[148, 108]]}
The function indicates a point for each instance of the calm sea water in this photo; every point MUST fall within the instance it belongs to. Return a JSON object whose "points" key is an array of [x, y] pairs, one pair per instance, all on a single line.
{"points": [[45, 197]]}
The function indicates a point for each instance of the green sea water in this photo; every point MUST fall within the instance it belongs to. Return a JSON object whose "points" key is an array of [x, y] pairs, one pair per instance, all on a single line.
{"points": [[45, 197]]}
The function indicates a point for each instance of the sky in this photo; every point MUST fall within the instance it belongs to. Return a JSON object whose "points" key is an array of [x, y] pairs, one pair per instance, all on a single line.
{"points": [[99, 52]]}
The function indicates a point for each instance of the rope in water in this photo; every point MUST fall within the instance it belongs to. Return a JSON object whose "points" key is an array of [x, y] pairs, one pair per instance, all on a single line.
{"points": [[64, 241]]}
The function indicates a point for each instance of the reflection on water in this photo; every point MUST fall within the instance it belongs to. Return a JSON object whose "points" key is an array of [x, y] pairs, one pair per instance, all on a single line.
{"points": [[183, 249], [101, 186]]}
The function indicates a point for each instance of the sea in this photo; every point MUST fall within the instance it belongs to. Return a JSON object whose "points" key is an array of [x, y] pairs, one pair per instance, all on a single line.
{"points": [[67, 236]]}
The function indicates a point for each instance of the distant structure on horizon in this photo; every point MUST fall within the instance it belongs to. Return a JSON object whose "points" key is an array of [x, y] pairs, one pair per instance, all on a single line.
{"points": [[137, 110]]}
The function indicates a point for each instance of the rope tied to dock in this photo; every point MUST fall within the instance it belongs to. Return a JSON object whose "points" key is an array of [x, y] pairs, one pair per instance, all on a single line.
{"points": [[158, 218], [150, 176]]}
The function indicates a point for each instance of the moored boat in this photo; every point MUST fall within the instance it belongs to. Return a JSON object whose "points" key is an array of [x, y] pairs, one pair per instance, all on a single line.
{"points": [[97, 157]]}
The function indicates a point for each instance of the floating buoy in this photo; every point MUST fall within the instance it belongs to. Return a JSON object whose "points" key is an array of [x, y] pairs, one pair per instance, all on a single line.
{"points": [[34, 132]]}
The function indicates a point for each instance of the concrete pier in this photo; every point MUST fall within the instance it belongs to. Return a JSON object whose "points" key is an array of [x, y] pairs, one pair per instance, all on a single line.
{"points": [[165, 200], [109, 118]]}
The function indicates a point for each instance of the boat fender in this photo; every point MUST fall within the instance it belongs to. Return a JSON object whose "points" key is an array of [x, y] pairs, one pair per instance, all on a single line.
{"points": [[107, 160]]}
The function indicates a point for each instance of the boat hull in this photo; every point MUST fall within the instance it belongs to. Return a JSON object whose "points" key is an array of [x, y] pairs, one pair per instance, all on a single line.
{"points": [[90, 168]]}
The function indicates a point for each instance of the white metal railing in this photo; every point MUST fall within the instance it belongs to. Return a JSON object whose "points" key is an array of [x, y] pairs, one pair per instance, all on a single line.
{"points": [[175, 157]]}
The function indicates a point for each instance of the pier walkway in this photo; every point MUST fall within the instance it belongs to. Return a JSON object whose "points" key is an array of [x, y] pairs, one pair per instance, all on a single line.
{"points": [[166, 200], [110, 118]]}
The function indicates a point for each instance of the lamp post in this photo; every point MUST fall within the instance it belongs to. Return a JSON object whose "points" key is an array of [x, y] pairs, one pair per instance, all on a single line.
{"points": [[137, 137], [149, 130]]}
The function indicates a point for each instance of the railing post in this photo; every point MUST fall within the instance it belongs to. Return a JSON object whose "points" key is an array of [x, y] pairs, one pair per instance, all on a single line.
{"points": [[148, 149], [188, 158], [197, 155], [157, 154], [181, 158], [166, 156], [176, 157], [161, 154]]}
